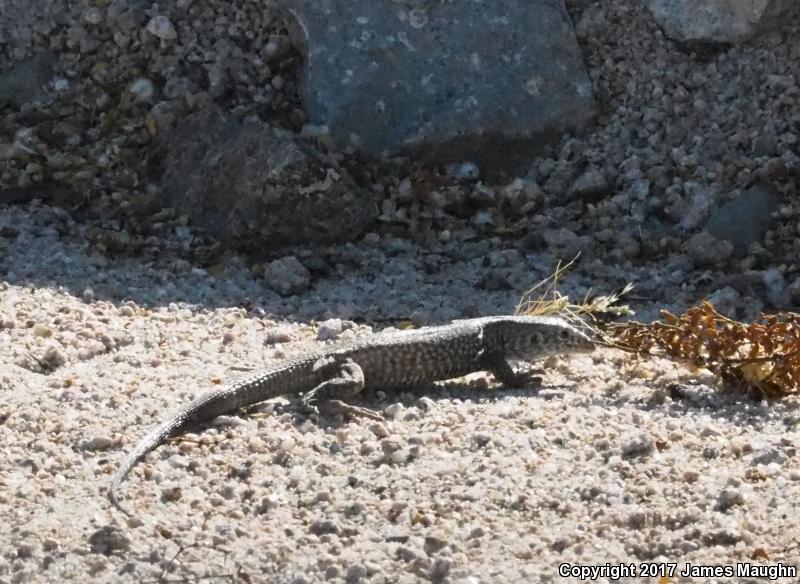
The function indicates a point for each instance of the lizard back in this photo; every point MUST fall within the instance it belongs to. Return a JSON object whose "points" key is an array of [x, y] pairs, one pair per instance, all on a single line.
{"points": [[416, 356]]}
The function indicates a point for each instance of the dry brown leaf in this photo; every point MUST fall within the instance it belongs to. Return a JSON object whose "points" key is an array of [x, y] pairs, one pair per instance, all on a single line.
{"points": [[763, 355]]}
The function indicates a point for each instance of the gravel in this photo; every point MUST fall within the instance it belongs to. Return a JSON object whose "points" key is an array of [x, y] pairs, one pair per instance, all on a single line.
{"points": [[463, 484], [112, 317]]}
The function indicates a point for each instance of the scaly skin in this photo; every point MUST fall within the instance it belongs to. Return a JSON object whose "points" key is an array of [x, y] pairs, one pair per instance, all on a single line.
{"points": [[391, 360]]}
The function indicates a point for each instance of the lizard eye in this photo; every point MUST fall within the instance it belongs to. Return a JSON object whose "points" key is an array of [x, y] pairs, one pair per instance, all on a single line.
{"points": [[563, 334]]}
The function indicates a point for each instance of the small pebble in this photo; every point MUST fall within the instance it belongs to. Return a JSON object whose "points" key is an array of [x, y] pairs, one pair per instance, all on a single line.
{"points": [[426, 404], [100, 443], [690, 476], [109, 539], [372, 238], [142, 88], [330, 329], [379, 429], [400, 456], [767, 455], [368, 447], [43, 331], [126, 310], [24, 550], [276, 336], [355, 573], [171, 494], [637, 444], [347, 336], [161, 27], [269, 502], [434, 545], [54, 357], [729, 497], [395, 411], [481, 439], [323, 526]]}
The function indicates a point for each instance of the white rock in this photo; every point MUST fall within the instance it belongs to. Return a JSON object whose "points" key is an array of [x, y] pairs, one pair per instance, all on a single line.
{"points": [[161, 27], [637, 444], [330, 329], [142, 88]]}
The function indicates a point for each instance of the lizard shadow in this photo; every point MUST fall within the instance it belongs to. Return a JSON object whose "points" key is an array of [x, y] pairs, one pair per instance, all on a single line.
{"points": [[674, 400], [373, 400]]}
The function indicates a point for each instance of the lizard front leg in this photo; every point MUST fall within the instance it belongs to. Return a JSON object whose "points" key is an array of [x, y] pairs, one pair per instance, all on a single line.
{"points": [[496, 363], [347, 382]]}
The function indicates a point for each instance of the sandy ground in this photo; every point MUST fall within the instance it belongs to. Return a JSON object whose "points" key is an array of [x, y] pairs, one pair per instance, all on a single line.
{"points": [[611, 461]]}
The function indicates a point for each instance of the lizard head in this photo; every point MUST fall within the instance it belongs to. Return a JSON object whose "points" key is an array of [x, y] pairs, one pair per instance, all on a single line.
{"points": [[533, 337]]}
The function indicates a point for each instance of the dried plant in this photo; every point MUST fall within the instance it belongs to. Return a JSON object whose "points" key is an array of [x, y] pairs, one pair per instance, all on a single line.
{"points": [[763, 355], [551, 301]]}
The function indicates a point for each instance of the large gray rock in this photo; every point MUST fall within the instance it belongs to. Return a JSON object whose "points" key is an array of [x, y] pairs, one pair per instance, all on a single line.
{"points": [[719, 21], [26, 81], [490, 82], [744, 219], [257, 187]]}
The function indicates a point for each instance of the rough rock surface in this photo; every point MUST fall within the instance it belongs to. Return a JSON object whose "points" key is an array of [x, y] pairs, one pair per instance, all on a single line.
{"points": [[257, 187], [487, 81], [22, 20], [26, 81], [720, 21], [744, 219]]}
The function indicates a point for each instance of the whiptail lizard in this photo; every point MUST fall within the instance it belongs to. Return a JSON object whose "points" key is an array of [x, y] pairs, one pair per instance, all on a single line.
{"points": [[403, 359]]}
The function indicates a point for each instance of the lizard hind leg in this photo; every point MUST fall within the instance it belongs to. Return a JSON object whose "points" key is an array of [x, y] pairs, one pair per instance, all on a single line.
{"points": [[347, 382]]}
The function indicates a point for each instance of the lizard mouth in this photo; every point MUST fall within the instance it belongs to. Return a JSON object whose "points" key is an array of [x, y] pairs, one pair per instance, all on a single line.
{"points": [[587, 346]]}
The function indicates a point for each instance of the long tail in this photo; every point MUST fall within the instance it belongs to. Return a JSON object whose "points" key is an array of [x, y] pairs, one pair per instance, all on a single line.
{"points": [[215, 403], [293, 375], [171, 427]]}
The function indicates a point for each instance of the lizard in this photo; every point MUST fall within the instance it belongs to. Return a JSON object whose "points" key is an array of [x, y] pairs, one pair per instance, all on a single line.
{"points": [[389, 360]]}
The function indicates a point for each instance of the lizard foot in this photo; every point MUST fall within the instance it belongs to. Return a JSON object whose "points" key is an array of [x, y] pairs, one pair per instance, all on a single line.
{"points": [[524, 379], [335, 406]]}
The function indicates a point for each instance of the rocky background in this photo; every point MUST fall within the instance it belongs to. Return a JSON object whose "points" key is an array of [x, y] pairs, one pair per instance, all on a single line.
{"points": [[181, 196], [144, 118]]}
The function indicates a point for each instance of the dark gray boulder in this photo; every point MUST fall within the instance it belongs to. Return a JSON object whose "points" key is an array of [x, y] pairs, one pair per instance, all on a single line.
{"points": [[745, 218], [259, 188], [26, 81], [491, 82]]}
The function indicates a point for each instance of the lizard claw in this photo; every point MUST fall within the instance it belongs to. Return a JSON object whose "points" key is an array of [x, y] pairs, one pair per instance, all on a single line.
{"points": [[335, 406], [309, 404], [525, 379]]}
